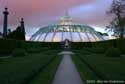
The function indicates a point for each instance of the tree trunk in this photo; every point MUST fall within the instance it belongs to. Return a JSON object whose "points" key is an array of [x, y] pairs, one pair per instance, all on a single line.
{"points": [[120, 25], [122, 32]]}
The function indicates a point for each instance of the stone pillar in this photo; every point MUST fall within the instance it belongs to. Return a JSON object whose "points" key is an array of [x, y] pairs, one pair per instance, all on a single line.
{"points": [[6, 13], [22, 27]]}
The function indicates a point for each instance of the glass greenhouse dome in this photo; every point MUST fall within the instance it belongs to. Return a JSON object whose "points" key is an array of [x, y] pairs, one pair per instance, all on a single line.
{"points": [[66, 29]]}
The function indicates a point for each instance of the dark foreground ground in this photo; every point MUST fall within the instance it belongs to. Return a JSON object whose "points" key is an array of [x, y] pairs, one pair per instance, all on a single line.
{"points": [[36, 63]]}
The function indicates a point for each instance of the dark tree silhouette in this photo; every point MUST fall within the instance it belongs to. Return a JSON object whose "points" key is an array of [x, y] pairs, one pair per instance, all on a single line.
{"points": [[117, 25], [17, 34]]}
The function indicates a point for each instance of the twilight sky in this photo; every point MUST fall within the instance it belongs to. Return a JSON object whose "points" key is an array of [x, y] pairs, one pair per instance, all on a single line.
{"points": [[37, 13]]}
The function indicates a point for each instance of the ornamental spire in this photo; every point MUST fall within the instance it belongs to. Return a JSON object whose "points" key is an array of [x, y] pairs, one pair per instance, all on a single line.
{"points": [[66, 19]]}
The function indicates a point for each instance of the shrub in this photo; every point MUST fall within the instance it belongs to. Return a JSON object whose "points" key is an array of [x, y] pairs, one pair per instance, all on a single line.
{"points": [[19, 52], [113, 52], [95, 49], [99, 50], [1, 60], [4, 52], [32, 50], [122, 50], [36, 50]]}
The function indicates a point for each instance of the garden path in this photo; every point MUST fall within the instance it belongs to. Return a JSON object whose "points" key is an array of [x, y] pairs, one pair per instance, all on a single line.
{"points": [[67, 72]]}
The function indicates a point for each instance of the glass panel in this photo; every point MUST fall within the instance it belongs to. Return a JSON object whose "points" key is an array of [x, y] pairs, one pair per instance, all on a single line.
{"points": [[97, 38], [76, 37], [42, 37], [66, 35], [49, 37], [91, 37], [84, 37], [57, 37], [36, 38]]}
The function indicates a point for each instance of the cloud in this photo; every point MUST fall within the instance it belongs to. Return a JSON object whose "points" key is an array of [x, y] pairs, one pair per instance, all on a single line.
{"points": [[40, 12], [93, 13]]}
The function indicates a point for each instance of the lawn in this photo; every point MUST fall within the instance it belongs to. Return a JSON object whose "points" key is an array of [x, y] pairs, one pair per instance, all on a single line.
{"points": [[24, 69], [47, 75], [90, 62]]}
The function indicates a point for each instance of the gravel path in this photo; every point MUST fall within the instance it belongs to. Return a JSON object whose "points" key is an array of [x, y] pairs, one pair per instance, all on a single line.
{"points": [[67, 72]]}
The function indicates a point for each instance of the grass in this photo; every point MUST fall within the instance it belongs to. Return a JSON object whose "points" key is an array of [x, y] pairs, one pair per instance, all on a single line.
{"points": [[47, 75], [110, 68], [20, 70], [85, 72], [41, 61]]}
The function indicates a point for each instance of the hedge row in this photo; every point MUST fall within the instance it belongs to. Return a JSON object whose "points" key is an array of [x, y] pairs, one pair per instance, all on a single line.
{"points": [[119, 43], [12, 44], [8, 44]]}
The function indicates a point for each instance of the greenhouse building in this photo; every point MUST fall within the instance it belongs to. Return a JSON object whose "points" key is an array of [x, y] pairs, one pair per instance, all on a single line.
{"points": [[66, 29]]}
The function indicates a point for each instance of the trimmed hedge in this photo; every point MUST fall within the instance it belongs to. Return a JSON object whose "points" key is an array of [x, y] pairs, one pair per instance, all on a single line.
{"points": [[19, 52], [113, 52], [95, 49], [12, 44], [9, 44]]}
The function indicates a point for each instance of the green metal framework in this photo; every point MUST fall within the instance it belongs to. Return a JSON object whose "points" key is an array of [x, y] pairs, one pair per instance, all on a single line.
{"points": [[70, 30]]}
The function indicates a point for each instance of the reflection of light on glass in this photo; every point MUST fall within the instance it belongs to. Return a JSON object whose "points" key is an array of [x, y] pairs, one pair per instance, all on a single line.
{"points": [[112, 37], [66, 35], [37, 38], [67, 29], [56, 40], [57, 37], [49, 37], [42, 37], [76, 37], [28, 37]]}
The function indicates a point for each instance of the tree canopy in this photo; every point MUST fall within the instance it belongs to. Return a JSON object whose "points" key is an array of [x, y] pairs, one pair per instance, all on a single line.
{"points": [[17, 34], [117, 25]]}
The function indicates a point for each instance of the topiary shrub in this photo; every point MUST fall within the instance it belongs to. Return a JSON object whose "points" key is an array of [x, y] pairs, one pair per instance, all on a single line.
{"points": [[113, 52], [19, 52]]}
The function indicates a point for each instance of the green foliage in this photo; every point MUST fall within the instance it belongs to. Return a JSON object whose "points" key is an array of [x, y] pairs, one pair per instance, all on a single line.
{"points": [[5, 52], [35, 50], [19, 52], [47, 75], [10, 45], [117, 25], [123, 51], [21, 70], [121, 45], [17, 34], [95, 49], [108, 68], [85, 72], [1, 60], [113, 52]]}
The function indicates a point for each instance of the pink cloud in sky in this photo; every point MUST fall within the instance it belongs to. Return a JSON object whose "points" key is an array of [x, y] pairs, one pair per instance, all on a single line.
{"points": [[32, 8], [40, 12]]}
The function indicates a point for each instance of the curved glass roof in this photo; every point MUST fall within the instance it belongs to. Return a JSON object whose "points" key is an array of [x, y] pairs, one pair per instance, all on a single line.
{"points": [[66, 29]]}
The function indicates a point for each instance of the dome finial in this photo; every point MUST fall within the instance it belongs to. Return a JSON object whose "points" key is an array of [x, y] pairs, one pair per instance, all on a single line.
{"points": [[22, 19], [6, 8], [66, 19], [67, 13]]}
